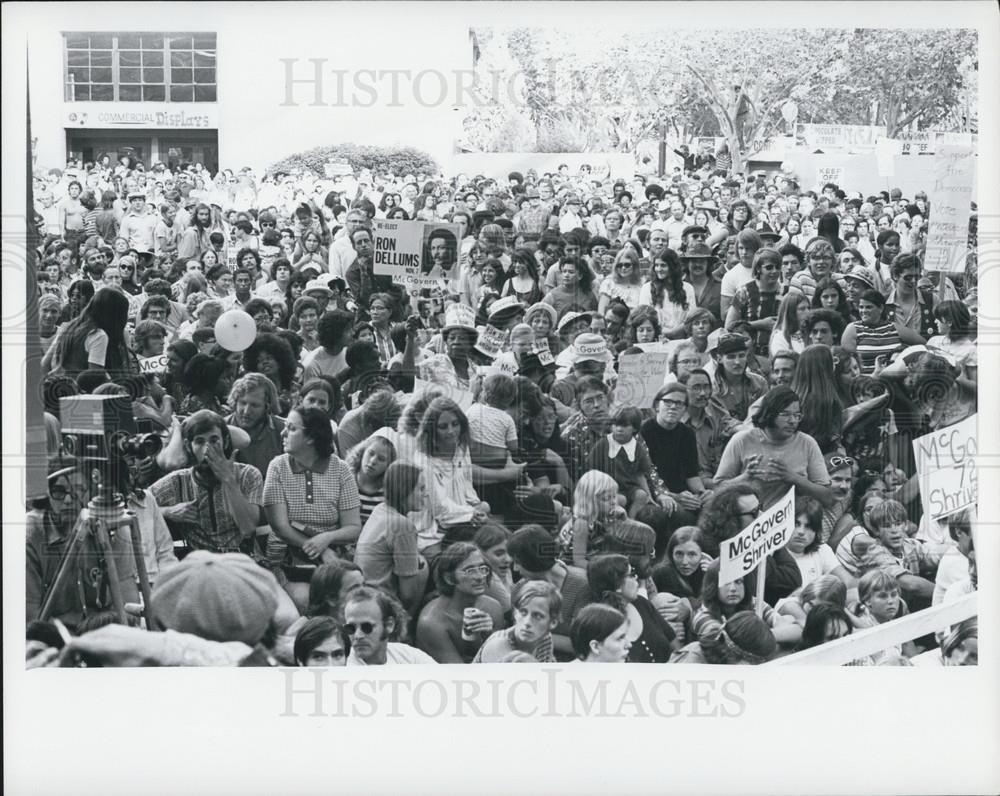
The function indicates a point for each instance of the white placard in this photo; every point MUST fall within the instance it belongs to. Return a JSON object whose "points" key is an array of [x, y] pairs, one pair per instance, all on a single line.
{"points": [[946, 468], [768, 533]]}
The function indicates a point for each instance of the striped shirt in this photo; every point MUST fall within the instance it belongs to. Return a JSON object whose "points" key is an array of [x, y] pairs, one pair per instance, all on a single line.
{"points": [[874, 342], [369, 503]]}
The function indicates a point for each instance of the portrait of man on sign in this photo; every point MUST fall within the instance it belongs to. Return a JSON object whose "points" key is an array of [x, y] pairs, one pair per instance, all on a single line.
{"points": [[440, 253]]}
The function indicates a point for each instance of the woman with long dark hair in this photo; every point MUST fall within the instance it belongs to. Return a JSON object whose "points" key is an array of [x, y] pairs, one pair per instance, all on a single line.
{"points": [[814, 383], [523, 281], [78, 295], [96, 338], [667, 291]]}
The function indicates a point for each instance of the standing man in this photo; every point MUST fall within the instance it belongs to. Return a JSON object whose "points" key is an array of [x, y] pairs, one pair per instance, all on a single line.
{"points": [[138, 226]]}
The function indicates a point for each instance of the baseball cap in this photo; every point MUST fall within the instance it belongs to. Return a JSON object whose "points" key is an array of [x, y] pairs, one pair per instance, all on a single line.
{"points": [[590, 347]]}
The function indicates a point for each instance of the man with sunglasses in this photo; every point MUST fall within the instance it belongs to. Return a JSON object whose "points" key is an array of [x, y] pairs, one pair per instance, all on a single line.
{"points": [[370, 621]]}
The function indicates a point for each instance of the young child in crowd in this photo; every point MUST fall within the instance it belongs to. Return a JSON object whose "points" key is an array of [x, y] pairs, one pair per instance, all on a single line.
{"points": [[623, 455]]}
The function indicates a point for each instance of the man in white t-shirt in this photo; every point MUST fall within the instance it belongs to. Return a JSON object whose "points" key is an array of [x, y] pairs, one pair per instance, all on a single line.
{"points": [[369, 622]]}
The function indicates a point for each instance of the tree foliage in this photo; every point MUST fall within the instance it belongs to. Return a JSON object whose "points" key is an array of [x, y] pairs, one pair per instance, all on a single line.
{"points": [[607, 89], [398, 160]]}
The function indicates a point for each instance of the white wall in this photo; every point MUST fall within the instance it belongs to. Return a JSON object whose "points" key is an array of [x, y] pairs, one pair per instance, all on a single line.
{"points": [[255, 126]]}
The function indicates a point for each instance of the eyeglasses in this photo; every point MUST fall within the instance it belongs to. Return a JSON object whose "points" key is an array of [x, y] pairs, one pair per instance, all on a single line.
{"points": [[841, 461], [754, 512], [670, 404], [367, 628], [482, 569]]}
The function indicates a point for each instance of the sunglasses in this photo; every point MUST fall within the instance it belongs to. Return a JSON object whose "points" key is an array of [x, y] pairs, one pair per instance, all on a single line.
{"points": [[367, 628], [841, 461]]}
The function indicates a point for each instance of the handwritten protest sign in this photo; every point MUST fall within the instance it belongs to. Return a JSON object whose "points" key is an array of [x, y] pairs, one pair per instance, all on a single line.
{"points": [[825, 174], [415, 254], [153, 364], [768, 533], [950, 200], [946, 468], [640, 377]]}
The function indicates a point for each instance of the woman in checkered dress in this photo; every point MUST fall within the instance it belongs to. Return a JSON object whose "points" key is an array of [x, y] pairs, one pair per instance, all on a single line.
{"points": [[311, 501]]}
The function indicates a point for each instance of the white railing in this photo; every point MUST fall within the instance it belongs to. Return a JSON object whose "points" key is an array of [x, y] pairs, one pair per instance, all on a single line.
{"points": [[871, 640]]}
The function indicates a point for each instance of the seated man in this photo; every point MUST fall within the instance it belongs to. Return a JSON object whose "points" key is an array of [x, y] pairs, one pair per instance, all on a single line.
{"points": [[371, 620], [533, 553], [215, 503], [537, 605], [453, 626], [255, 399]]}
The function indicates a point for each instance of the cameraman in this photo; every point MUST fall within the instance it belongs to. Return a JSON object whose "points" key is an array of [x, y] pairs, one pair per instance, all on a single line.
{"points": [[215, 504]]}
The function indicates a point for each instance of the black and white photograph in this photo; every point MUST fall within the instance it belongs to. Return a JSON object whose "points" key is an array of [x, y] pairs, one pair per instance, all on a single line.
{"points": [[432, 337]]}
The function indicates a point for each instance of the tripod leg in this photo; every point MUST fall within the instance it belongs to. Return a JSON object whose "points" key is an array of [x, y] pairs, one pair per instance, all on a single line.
{"points": [[111, 568], [66, 568], [140, 568]]}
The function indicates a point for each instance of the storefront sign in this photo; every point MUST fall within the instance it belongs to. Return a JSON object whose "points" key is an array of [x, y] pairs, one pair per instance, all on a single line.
{"points": [[142, 116]]}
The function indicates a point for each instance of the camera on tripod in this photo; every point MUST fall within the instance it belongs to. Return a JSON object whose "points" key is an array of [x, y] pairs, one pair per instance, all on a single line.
{"points": [[101, 432]]}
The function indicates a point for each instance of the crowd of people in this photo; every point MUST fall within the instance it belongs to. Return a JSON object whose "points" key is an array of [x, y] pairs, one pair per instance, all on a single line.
{"points": [[367, 484]]}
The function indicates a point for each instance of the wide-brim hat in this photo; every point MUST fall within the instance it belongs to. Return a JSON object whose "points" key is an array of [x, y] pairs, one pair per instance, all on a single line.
{"points": [[317, 285], [708, 206], [505, 308], [699, 251], [769, 237], [546, 309], [570, 317], [694, 228], [862, 274]]}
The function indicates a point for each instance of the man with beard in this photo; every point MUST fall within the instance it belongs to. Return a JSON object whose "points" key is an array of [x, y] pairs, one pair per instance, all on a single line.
{"points": [[440, 254], [215, 503], [255, 399]]}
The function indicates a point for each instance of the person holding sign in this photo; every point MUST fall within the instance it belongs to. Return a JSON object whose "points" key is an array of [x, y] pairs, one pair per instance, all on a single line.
{"points": [[720, 602], [774, 454]]}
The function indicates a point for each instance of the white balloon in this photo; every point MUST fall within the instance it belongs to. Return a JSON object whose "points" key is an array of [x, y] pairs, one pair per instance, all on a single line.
{"points": [[235, 330]]}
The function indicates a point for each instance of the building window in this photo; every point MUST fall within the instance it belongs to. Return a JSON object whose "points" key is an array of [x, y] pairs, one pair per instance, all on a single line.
{"points": [[140, 67]]}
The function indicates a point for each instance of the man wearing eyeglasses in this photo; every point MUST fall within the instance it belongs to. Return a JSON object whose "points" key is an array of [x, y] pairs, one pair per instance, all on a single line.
{"points": [[674, 452], [820, 259], [370, 623]]}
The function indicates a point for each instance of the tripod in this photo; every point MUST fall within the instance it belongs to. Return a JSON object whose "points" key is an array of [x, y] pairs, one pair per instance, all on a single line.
{"points": [[102, 520]]}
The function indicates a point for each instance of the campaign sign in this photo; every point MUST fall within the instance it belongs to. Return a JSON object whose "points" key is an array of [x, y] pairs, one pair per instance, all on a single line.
{"points": [[491, 340], [153, 364], [541, 348], [640, 377], [768, 533], [946, 468], [950, 198], [416, 254]]}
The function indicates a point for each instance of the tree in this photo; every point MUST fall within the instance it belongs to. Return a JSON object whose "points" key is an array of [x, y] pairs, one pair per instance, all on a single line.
{"points": [[609, 89], [398, 160]]}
